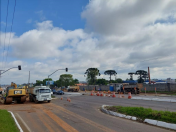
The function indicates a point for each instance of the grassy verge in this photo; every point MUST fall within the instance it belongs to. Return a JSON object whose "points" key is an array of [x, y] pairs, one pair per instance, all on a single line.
{"points": [[52, 96], [7, 123], [143, 113]]}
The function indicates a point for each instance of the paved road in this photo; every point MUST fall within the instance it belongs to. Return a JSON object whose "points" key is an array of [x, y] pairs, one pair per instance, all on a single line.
{"points": [[82, 114]]}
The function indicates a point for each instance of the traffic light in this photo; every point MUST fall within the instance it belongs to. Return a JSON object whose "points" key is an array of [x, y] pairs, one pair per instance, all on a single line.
{"points": [[19, 67], [66, 69]]}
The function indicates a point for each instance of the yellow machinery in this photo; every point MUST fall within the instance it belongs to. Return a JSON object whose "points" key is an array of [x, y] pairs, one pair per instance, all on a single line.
{"points": [[73, 88], [14, 94]]}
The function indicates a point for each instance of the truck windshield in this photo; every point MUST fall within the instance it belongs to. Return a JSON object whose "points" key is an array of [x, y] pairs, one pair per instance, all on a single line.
{"points": [[44, 90]]}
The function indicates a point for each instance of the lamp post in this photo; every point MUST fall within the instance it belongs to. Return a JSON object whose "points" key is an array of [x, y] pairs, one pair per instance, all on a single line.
{"points": [[66, 69]]}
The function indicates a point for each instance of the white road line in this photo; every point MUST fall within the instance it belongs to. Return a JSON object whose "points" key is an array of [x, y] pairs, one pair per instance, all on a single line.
{"points": [[24, 122], [19, 127]]}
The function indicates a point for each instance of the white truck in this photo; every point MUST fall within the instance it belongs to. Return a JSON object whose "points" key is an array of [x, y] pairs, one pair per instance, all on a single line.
{"points": [[125, 88], [39, 93]]}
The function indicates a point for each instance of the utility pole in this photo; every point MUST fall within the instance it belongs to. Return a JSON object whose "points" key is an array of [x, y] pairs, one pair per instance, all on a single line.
{"points": [[29, 80], [0, 76]]}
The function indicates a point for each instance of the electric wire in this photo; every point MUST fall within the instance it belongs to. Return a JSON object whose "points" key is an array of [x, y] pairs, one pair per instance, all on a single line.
{"points": [[5, 33], [10, 33]]}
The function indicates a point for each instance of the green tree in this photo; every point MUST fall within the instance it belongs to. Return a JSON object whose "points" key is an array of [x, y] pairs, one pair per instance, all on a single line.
{"points": [[91, 75], [76, 81], [140, 73], [110, 72], [127, 79], [131, 75], [38, 83], [102, 81], [46, 79], [119, 80], [67, 80]]}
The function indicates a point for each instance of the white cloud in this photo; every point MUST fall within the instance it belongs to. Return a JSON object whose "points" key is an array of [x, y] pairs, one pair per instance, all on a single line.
{"points": [[29, 21], [120, 35]]}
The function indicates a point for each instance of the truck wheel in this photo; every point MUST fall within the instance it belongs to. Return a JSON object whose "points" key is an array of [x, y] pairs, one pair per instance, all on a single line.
{"points": [[118, 92], [49, 101], [36, 101]]}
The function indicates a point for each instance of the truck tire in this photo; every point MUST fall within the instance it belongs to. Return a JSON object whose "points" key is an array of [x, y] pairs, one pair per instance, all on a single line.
{"points": [[49, 101], [36, 101], [8, 100]]}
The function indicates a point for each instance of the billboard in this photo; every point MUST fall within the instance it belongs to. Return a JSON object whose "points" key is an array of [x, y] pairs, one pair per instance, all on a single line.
{"points": [[49, 82]]}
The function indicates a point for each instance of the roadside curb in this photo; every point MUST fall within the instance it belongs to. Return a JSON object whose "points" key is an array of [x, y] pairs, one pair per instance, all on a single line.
{"points": [[149, 121], [19, 127], [156, 99]]}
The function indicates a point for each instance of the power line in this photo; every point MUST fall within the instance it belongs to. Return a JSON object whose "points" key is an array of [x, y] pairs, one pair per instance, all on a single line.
{"points": [[10, 32], [5, 32]]}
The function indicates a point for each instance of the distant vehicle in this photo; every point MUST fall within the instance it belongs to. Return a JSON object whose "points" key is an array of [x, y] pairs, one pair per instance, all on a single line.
{"points": [[60, 92], [54, 91], [125, 88], [73, 88]]}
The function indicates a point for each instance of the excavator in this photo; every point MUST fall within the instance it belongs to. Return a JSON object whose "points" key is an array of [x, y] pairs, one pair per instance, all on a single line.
{"points": [[14, 94]]}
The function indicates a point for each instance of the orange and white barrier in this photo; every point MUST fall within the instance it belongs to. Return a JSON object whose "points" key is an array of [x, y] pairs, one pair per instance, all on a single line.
{"points": [[98, 94], [101, 94], [113, 95], [129, 95], [91, 93]]}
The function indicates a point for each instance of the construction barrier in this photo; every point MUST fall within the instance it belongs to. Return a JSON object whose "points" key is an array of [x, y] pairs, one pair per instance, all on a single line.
{"points": [[129, 95], [91, 93], [113, 95]]}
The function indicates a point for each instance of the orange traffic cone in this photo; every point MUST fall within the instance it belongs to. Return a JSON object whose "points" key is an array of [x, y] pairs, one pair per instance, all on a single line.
{"points": [[113, 95], [91, 93], [69, 100], [101, 94], [61, 98], [120, 95], [98, 94], [129, 95]]}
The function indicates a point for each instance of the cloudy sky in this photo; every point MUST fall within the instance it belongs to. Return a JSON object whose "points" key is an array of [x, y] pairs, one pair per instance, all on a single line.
{"points": [[121, 35]]}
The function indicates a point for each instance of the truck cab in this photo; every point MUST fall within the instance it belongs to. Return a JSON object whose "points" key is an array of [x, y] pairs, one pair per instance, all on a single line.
{"points": [[119, 88], [40, 93]]}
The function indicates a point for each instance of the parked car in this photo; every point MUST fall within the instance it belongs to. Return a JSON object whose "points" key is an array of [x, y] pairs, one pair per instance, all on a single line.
{"points": [[54, 91], [60, 92]]}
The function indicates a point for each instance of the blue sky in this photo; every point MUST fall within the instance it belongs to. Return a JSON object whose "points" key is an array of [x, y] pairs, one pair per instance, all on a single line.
{"points": [[53, 34], [64, 13]]}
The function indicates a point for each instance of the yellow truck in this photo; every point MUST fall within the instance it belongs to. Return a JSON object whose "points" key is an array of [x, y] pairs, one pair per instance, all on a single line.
{"points": [[14, 94], [73, 88]]}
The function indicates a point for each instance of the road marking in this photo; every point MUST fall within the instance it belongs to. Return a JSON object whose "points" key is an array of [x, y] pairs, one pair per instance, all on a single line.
{"points": [[24, 122], [103, 128], [60, 122], [46, 121]]}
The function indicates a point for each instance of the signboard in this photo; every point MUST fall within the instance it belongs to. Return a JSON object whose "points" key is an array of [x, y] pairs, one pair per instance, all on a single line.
{"points": [[49, 82], [18, 92]]}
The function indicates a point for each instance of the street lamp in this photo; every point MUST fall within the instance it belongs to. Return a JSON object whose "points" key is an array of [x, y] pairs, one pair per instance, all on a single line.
{"points": [[66, 69], [19, 68]]}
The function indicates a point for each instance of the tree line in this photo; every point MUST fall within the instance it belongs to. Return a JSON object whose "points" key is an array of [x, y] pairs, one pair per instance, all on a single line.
{"points": [[91, 78]]}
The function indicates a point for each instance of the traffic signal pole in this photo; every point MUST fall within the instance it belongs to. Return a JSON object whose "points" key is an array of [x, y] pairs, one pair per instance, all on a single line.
{"points": [[66, 69]]}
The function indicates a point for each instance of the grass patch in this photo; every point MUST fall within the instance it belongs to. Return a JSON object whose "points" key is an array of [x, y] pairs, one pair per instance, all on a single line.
{"points": [[143, 113], [7, 123], [52, 96]]}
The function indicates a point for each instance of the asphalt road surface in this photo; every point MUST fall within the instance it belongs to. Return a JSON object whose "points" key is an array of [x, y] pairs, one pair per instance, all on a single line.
{"points": [[82, 114]]}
